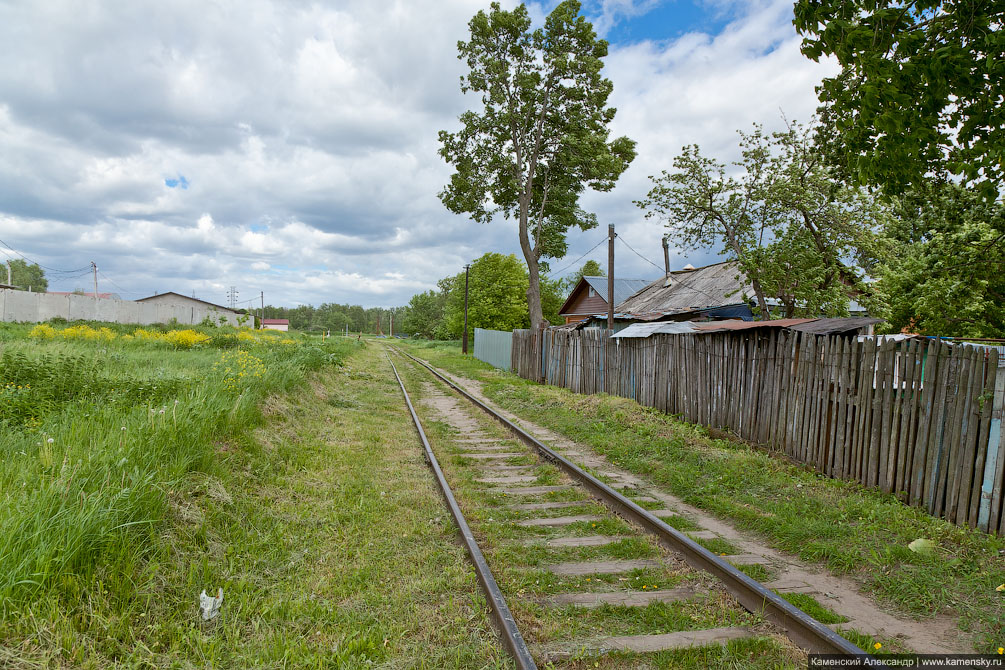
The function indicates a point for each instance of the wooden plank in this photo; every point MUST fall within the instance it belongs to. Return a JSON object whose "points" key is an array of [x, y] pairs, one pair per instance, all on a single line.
{"points": [[943, 434], [876, 427], [926, 408], [816, 401], [797, 397], [866, 374], [852, 358], [824, 433], [810, 416], [884, 480], [988, 374], [964, 467], [847, 410], [905, 398], [786, 424], [991, 494], [836, 460]]}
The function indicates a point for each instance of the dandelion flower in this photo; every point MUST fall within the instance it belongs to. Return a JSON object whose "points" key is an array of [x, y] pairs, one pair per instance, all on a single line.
{"points": [[50, 440], [877, 645], [1000, 588]]}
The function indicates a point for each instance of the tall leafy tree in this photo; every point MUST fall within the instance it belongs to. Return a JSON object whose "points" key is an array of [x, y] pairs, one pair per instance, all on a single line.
{"points": [[541, 135], [424, 315], [25, 275], [946, 275], [497, 296], [919, 91], [591, 268], [797, 234]]}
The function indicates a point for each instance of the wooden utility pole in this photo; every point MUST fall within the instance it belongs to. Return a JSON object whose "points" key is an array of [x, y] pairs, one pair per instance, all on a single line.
{"points": [[464, 342], [262, 318], [610, 277], [94, 269], [391, 327], [666, 254]]}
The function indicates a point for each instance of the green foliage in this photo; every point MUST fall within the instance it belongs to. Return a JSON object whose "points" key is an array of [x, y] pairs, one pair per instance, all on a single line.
{"points": [[497, 296], [25, 275], [541, 135], [796, 233], [102, 435], [945, 275], [334, 317], [423, 315], [919, 91], [591, 268]]}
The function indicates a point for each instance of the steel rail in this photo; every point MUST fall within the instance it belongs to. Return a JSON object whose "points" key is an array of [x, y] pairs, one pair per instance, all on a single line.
{"points": [[801, 628], [504, 618]]}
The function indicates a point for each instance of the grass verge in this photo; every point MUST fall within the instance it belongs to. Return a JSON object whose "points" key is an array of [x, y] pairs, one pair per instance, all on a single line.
{"points": [[850, 529], [261, 467]]}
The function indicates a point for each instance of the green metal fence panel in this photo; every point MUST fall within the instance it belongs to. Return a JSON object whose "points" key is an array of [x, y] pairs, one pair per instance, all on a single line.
{"points": [[494, 347]]}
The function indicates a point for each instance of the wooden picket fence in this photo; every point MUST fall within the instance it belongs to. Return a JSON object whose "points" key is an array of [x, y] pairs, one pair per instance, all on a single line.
{"points": [[918, 418]]}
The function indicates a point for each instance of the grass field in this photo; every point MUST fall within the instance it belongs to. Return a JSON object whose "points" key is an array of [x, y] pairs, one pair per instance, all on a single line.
{"points": [[842, 525], [141, 466]]}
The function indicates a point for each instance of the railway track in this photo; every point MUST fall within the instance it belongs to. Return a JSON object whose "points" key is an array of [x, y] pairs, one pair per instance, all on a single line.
{"points": [[509, 476]]}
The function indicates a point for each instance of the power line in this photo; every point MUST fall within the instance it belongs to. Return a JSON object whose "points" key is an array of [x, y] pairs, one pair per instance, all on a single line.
{"points": [[640, 255], [83, 269], [554, 272], [121, 290], [680, 283]]}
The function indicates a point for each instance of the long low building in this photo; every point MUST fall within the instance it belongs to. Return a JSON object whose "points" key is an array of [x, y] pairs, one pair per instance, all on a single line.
{"points": [[30, 307]]}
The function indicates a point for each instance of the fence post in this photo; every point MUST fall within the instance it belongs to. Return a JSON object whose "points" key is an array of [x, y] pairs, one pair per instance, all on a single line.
{"points": [[995, 448]]}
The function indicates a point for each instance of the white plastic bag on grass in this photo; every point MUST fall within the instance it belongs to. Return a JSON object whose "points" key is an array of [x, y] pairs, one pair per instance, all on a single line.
{"points": [[210, 606]]}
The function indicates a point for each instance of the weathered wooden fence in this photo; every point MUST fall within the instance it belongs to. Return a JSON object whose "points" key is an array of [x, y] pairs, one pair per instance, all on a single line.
{"points": [[919, 418]]}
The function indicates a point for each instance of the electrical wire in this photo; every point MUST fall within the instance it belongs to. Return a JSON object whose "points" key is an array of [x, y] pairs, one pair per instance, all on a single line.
{"points": [[639, 255], [680, 284], [78, 270], [554, 272]]}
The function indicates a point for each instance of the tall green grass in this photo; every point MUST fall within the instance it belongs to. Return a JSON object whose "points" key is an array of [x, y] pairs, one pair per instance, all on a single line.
{"points": [[93, 435]]}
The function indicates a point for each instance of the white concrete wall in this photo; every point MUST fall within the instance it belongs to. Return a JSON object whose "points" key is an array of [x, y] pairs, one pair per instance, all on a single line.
{"points": [[23, 306]]}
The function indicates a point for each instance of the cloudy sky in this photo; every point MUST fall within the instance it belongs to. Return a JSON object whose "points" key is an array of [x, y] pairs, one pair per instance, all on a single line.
{"points": [[289, 147]]}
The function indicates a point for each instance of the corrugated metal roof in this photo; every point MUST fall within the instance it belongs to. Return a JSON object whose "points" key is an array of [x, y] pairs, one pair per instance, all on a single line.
{"points": [[663, 327], [836, 325], [709, 286], [623, 288], [814, 326], [722, 326]]}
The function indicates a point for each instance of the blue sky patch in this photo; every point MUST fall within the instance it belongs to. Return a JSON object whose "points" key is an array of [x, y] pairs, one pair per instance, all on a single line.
{"points": [[668, 19], [180, 182]]}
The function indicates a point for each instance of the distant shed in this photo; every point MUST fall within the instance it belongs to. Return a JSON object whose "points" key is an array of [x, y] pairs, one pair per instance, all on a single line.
{"points": [[276, 324]]}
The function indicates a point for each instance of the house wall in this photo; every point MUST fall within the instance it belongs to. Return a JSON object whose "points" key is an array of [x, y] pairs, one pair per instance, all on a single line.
{"points": [[583, 304], [276, 326], [22, 306]]}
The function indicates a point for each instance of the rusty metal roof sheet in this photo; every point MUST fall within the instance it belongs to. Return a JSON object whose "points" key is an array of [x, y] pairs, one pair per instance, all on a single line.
{"points": [[722, 326], [833, 326]]}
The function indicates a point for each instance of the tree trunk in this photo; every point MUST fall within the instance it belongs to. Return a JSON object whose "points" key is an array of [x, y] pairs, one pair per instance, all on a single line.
{"points": [[761, 302], [754, 282], [533, 268]]}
